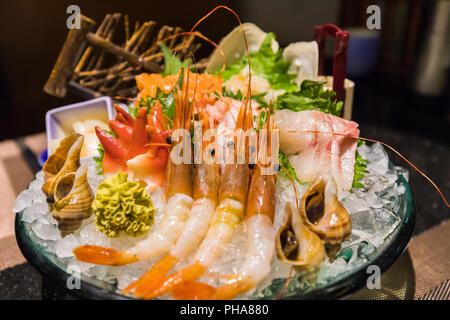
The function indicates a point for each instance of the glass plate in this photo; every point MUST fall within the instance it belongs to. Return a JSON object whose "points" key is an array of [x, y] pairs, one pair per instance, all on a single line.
{"points": [[53, 269]]}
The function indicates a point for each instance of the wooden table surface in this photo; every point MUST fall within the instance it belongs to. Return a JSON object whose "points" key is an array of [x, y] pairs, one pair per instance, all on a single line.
{"points": [[15, 175]]}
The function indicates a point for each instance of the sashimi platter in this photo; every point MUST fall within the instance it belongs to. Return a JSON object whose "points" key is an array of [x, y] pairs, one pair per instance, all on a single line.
{"points": [[238, 179]]}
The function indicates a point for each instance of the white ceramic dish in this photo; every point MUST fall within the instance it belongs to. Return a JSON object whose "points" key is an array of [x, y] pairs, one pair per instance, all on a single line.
{"points": [[59, 121]]}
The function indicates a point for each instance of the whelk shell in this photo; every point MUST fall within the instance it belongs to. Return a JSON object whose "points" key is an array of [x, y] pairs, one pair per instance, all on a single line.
{"points": [[65, 159], [73, 198], [296, 244], [324, 214]]}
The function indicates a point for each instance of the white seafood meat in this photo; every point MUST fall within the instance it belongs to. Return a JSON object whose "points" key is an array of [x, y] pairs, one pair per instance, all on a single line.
{"points": [[319, 145], [304, 59]]}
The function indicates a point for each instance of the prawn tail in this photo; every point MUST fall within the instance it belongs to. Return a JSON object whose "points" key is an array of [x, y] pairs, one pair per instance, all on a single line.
{"points": [[153, 278], [104, 256], [193, 290], [190, 273], [232, 288]]}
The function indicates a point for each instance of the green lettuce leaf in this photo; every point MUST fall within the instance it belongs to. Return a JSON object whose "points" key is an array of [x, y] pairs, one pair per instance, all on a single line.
{"points": [[266, 64], [360, 168], [311, 96]]}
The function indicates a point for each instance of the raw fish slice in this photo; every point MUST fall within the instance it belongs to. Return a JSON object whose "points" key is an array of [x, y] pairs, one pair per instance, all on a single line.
{"points": [[305, 165], [289, 121], [317, 145], [348, 149]]}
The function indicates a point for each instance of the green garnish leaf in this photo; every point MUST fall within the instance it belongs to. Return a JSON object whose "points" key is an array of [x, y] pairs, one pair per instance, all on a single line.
{"points": [[167, 101], [99, 160], [286, 164], [360, 168], [133, 111], [101, 153], [266, 64], [311, 96], [171, 61]]}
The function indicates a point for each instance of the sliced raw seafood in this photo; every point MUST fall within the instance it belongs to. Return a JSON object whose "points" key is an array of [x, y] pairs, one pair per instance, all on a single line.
{"points": [[304, 59], [319, 145]]}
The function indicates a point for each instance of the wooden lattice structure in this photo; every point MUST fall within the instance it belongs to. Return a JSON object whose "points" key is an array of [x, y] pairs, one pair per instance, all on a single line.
{"points": [[106, 61]]}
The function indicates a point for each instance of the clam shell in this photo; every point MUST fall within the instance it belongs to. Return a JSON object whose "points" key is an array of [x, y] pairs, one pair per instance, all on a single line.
{"points": [[295, 244], [64, 160], [233, 45], [73, 198], [324, 214]]}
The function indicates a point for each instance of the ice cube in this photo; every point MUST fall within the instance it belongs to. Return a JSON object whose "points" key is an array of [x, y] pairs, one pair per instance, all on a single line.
{"points": [[363, 220], [377, 156], [99, 272], [45, 219], [34, 211], [157, 199], [354, 204], [40, 176], [36, 185], [23, 200], [78, 266], [46, 231], [39, 196], [90, 235], [385, 222], [65, 246], [29, 216]]}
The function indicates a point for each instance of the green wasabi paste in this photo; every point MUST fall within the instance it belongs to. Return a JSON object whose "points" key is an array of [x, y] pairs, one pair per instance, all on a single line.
{"points": [[122, 206]]}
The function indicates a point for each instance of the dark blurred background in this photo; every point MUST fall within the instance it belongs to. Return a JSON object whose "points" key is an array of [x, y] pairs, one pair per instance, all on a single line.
{"points": [[32, 33], [401, 71]]}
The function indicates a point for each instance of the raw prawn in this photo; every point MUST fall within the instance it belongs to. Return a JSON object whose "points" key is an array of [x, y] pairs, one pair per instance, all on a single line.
{"points": [[260, 210], [228, 214]]}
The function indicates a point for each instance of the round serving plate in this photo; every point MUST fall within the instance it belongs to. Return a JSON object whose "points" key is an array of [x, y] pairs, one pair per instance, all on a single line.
{"points": [[54, 272]]}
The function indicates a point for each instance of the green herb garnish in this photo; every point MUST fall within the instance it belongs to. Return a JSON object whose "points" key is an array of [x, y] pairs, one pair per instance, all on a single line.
{"points": [[171, 61], [266, 64], [311, 96], [286, 164], [360, 168], [101, 153]]}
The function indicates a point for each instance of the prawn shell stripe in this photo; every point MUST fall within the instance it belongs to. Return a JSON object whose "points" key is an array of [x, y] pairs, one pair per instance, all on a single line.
{"points": [[229, 212]]}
